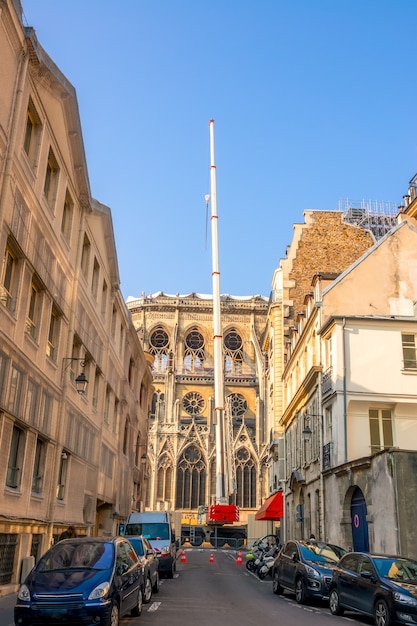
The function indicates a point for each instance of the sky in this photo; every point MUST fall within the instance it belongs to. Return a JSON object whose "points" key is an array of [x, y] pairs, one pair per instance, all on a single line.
{"points": [[313, 104]]}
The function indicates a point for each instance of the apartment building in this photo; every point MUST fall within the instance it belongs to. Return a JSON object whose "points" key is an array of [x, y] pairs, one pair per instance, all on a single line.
{"points": [[350, 418], [75, 386]]}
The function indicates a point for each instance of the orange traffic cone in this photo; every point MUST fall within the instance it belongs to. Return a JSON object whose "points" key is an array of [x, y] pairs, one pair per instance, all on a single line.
{"points": [[239, 558], [183, 557], [211, 557]]}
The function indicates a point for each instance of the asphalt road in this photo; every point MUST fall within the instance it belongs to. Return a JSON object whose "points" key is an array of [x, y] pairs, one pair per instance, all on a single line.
{"points": [[220, 593]]}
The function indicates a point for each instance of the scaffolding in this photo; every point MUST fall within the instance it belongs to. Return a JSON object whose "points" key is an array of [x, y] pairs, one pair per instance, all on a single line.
{"points": [[378, 217]]}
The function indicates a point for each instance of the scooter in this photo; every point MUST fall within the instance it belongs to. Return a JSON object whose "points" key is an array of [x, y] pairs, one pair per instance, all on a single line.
{"points": [[264, 567]]}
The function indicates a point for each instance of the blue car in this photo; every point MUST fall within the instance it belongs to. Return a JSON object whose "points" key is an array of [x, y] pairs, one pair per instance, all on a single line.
{"points": [[85, 580], [381, 586], [305, 568]]}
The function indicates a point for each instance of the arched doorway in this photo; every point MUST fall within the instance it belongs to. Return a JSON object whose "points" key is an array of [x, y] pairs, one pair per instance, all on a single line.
{"points": [[358, 512]]}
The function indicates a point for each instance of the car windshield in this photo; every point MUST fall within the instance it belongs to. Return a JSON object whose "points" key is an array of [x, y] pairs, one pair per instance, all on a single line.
{"points": [[319, 552], [96, 555], [397, 569], [149, 529]]}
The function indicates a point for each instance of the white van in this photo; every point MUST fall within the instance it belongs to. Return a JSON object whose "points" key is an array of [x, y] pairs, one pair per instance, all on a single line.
{"points": [[158, 528]]}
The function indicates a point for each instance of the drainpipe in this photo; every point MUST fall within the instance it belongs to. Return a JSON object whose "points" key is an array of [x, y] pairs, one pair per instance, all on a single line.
{"points": [[344, 392]]}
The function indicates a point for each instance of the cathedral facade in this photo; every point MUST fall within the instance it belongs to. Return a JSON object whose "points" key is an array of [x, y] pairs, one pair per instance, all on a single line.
{"points": [[177, 334]]}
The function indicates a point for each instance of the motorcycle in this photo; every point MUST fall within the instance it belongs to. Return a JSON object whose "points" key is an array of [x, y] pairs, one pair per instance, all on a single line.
{"points": [[254, 555], [266, 562]]}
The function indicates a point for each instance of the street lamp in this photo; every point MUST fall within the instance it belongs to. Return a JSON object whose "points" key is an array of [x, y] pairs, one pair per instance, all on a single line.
{"points": [[81, 381]]}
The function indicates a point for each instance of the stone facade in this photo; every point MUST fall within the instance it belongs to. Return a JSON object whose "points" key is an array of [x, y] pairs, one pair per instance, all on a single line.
{"points": [[67, 457], [178, 332]]}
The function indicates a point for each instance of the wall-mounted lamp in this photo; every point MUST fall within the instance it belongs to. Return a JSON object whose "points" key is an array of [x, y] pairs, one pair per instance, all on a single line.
{"points": [[81, 381], [307, 432], [64, 455], [143, 459]]}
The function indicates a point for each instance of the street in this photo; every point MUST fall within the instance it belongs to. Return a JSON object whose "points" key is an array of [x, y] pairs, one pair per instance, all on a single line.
{"points": [[222, 593]]}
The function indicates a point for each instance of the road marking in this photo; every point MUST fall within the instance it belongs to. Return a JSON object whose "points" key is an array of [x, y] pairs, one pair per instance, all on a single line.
{"points": [[154, 607]]}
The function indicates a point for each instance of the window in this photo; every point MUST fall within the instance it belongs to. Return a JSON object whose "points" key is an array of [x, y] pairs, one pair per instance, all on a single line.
{"points": [[191, 479], [193, 402], [113, 322], [3, 370], [46, 413], [32, 318], [51, 178], [67, 213], [94, 280], [159, 344], [15, 391], [233, 353], [96, 388], [31, 408], [164, 481], [16, 455], [107, 461], [380, 425], [53, 335], [38, 466], [126, 437], [85, 256], [62, 476], [107, 405], [104, 292], [194, 351], [245, 496], [9, 281], [409, 351], [32, 132]]}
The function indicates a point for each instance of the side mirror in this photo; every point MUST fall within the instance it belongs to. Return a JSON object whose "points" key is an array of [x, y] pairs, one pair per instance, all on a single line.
{"points": [[368, 576], [295, 557]]}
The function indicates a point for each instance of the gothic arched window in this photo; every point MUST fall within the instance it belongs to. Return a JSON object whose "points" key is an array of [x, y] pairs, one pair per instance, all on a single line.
{"points": [[245, 496], [233, 352], [164, 479], [194, 355], [237, 404], [191, 479], [159, 347]]}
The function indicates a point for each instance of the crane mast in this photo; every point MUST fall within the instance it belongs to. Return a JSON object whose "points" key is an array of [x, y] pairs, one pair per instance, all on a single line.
{"points": [[221, 511]]}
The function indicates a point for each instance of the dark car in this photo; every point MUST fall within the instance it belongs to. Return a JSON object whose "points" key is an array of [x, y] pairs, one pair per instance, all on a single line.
{"points": [[86, 580], [149, 560], [384, 587], [305, 568]]}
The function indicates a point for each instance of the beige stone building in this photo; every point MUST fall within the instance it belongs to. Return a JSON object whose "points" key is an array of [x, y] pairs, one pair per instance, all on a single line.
{"points": [[67, 457], [326, 242], [349, 401], [177, 331]]}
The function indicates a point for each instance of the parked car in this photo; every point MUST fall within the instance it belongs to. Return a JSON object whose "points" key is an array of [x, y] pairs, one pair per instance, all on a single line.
{"points": [[384, 587], [305, 568], [149, 560], [85, 580]]}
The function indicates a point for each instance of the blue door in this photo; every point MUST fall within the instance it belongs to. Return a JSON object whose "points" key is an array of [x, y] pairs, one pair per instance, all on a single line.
{"points": [[359, 523]]}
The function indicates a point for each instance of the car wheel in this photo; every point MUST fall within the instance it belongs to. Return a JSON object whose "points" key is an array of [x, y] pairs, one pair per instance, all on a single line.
{"points": [[382, 614], [276, 587], [137, 610], [334, 603], [155, 587], [114, 615], [147, 592], [300, 591]]}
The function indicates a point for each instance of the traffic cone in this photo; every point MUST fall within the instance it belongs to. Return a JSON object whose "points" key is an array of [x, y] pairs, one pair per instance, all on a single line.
{"points": [[211, 557], [183, 557], [239, 558]]}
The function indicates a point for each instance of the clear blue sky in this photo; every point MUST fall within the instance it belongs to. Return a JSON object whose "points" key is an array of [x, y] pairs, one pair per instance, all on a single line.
{"points": [[313, 102]]}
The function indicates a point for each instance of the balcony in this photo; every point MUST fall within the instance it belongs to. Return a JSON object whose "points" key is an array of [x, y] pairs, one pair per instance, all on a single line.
{"points": [[327, 382], [327, 456]]}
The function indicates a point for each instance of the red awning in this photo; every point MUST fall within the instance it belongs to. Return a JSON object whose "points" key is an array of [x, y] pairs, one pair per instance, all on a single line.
{"points": [[272, 508]]}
